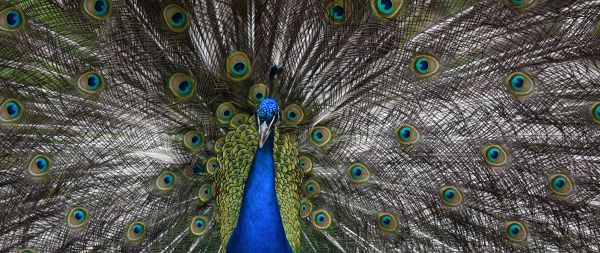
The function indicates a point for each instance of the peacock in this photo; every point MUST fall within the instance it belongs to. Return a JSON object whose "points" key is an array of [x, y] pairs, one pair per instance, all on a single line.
{"points": [[299, 126]]}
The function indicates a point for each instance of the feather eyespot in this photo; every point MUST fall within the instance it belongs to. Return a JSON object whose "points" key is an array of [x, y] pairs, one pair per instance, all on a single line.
{"points": [[182, 86], [337, 11], [386, 8], [320, 136], [136, 231], [595, 112], [311, 188], [91, 83], [195, 171], [11, 19], [77, 217], [408, 134], [387, 222], [98, 9], [176, 18], [306, 164], [520, 5], [495, 155], [451, 196], [425, 65], [306, 207], [238, 120], [293, 114], [321, 219], [519, 83], [193, 140], [39, 165], [239, 67], [358, 173], [257, 93], [199, 225], [205, 193], [515, 231], [225, 112], [212, 165], [561, 184], [166, 181], [11, 111]]}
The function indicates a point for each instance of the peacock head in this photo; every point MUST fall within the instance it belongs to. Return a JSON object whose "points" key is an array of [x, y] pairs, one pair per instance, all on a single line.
{"points": [[267, 115]]}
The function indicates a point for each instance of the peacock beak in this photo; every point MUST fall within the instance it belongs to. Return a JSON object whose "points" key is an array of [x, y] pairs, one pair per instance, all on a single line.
{"points": [[264, 130]]}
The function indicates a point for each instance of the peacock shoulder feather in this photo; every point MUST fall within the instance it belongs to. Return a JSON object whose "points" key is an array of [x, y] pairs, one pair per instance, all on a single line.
{"points": [[299, 126]]}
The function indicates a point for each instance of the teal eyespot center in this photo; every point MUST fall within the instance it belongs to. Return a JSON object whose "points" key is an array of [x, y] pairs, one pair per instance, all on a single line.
{"points": [[320, 218], [336, 12], [310, 187], [138, 229], [41, 163], [517, 82], [449, 194], [200, 224], [184, 87], [303, 207], [292, 115], [239, 68], [196, 140], [386, 220], [405, 133], [558, 182], [168, 179], [597, 111], [178, 19], [493, 154], [514, 229], [259, 96], [517, 2], [385, 6], [100, 7], [93, 81], [13, 109], [357, 172], [13, 18], [318, 135], [79, 215], [422, 65]]}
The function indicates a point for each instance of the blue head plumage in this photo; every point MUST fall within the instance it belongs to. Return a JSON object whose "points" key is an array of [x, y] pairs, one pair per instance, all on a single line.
{"points": [[267, 109]]}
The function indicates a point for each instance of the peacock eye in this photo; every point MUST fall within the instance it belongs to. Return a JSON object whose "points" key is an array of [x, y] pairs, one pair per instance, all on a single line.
{"points": [[212, 165], [175, 17], [39, 165], [425, 65], [90, 83], [98, 9], [321, 219], [358, 173], [495, 155], [182, 86], [337, 11], [199, 225], [238, 120], [320, 136], [77, 217], [196, 170], [136, 231], [519, 83], [165, 181], [10, 111], [225, 112], [386, 8], [561, 184], [451, 196], [516, 231], [293, 114], [306, 164], [193, 140], [387, 222], [11, 19], [238, 66], [257, 93], [311, 188], [595, 112], [305, 207], [205, 193], [520, 4], [408, 134]]}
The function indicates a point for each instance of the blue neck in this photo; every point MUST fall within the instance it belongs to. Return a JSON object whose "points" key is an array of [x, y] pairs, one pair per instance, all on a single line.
{"points": [[259, 227]]}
